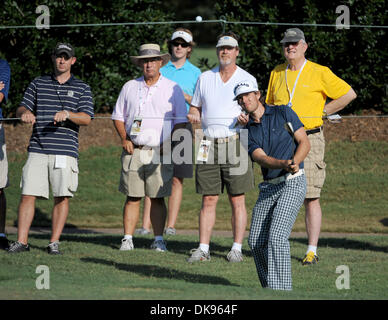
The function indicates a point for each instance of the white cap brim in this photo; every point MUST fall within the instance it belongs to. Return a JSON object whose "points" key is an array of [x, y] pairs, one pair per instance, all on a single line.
{"points": [[227, 41], [244, 87], [182, 34]]}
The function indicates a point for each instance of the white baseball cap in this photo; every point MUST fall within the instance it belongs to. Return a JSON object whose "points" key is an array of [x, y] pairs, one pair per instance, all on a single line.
{"points": [[182, 34], [244, 87], [227, 41]]}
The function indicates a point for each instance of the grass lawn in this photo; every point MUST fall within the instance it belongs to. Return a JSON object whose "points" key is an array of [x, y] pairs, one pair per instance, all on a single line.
{"points": [[353, 199], [204, 53], [92, 267]]}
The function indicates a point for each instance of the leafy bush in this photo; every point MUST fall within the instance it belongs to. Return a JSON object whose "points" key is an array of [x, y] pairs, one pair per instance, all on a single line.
{"points": [[357, 55], [103, 53]]}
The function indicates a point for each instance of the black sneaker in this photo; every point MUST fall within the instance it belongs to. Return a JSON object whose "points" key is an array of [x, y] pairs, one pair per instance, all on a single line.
{"points": [[4, 243], [53, 248], [17, 247]]}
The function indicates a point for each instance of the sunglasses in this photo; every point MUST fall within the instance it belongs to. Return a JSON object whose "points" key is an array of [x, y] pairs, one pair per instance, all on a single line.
{"points": [[293, 43], [182, 44], [62, 55]]}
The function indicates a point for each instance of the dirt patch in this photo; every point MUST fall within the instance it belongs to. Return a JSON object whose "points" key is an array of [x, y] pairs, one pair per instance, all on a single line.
{"points": [[101, 131], [369, 128]]}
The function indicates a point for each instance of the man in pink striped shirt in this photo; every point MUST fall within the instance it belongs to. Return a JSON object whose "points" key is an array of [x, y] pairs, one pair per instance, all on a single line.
{"points": [[147, 111]]}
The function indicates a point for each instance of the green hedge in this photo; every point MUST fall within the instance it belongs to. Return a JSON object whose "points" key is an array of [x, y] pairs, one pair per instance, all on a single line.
{"points": [[358, 55], [103, 52]]}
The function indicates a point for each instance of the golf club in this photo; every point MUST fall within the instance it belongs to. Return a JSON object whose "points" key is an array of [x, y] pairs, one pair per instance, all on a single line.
{"points": [[288, 126]]}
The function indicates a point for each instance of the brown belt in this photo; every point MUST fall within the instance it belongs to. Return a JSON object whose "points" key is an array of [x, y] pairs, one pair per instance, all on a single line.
{"points": [[226, 139], [135, 146]]}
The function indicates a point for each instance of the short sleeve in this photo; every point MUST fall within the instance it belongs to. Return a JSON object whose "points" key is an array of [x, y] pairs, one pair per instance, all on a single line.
{"points": [[85, 103], [269, 98], [333, 86], [29, 98]]}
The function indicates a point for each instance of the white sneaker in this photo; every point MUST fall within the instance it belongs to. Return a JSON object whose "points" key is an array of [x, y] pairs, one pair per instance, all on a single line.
{"points": [[198, 255], [142, 231], [126, 245], [235, 256], [170, 231], [159, 245]]}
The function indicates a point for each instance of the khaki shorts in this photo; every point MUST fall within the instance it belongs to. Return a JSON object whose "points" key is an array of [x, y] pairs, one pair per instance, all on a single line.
{"points": [[3, 160], [40, 172], [225, 171], [314, 165], [139, 178]]}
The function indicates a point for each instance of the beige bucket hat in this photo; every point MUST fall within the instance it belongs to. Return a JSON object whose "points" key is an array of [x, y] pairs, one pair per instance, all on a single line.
{"points": [[150, 50]]}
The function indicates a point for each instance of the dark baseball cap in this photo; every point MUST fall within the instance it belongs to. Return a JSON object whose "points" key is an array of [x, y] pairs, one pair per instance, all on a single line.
{"points": [[64, 48], [293, 35]]}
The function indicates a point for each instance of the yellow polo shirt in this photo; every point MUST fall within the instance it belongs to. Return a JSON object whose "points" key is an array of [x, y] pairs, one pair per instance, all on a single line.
{"points": [[315, 84]]}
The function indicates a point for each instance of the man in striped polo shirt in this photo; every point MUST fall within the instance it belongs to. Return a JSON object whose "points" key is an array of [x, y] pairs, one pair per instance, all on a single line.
{"points": [[56, 105]]}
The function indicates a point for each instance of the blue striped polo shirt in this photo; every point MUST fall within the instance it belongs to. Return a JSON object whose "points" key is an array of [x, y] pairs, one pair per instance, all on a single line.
{"points": [[5, 76], [45, 96], [271, 136]]}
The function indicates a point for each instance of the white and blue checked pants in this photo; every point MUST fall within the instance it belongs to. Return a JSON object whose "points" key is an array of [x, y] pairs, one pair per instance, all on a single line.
{"points": [[273, 217]]}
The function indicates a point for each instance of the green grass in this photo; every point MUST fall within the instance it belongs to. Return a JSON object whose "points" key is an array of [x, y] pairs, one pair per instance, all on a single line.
{"points": [[353, 199], [92, 267], [204, 52], [208, 53]]}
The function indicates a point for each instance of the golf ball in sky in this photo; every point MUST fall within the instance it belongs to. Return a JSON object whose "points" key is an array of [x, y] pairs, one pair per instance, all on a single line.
{"points": [[198, 19]]}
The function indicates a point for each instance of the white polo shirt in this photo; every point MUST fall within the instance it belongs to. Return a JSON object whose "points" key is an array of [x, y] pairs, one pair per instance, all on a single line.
{"points": [[215, 97]]}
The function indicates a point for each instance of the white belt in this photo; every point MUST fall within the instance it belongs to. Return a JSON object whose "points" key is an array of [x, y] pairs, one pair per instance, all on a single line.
{"points": [[287, 176]]}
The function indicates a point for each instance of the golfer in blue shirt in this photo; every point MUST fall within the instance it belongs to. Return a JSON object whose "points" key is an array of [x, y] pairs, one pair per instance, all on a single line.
{"points": [[278, 142]]}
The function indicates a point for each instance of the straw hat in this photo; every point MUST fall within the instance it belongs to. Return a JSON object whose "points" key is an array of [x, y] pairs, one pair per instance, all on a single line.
{"points": [[150, 50]]}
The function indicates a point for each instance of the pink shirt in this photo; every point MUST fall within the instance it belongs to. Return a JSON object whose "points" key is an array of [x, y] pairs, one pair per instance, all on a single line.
{"points": [[160, 106]]}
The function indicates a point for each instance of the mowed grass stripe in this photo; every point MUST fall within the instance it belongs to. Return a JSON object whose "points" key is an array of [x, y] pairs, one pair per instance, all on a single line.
{"points": [[92, 267], [353, 198]]}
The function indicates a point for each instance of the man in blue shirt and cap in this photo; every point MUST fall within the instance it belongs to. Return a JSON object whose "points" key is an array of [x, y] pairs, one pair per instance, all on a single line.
{"points": [[5, 76]]}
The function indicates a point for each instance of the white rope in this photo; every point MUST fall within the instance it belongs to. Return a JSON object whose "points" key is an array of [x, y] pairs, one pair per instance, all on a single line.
{"points": [[304, 24], [118, 24], [210, 118]]}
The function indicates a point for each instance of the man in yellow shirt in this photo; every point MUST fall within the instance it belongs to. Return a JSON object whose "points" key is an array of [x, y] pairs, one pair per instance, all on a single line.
{"points": [[304, 86]]}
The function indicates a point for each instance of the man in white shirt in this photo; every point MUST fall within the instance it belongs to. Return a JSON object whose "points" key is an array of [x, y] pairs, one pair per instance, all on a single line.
{"points": [[222, 120]]}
